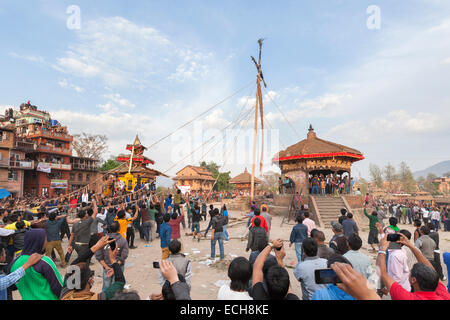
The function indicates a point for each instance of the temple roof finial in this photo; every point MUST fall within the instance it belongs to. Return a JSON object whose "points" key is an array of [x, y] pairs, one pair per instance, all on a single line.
{"points": [[311, 133]]}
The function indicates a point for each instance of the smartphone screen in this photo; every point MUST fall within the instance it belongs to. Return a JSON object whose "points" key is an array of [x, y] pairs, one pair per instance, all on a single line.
{"points": [[326, 276], [156, 264], [393, 237]]}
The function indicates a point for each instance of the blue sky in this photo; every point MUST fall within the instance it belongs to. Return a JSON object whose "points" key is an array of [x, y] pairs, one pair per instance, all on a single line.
{"points": [[150, 66]]}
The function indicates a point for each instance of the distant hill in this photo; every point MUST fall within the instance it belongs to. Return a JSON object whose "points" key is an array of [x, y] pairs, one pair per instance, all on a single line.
{"points": [[438, 169]]}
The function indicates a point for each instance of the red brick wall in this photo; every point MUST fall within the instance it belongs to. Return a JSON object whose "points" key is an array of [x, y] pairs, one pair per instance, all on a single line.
{"points": [[355, 201]]}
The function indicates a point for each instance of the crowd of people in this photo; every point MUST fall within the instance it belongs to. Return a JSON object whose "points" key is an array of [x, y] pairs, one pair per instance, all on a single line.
{"points": [[409, 265]]}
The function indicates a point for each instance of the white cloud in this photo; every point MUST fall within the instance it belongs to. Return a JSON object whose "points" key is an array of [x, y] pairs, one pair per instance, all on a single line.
{"points": [[116, 98], [446, 61], [36, 59], [65, 84], [325, 106], [120, 53]]}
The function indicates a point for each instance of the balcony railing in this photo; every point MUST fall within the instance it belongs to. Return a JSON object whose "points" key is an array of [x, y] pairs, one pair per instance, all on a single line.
{"points": [[17, 164], [50, 135], [57, 166], [27, 146], [79, 166], [52, 149]]}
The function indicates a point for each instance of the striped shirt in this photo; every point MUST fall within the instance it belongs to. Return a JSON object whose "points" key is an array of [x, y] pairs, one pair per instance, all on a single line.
{"points": [[9, 280]]}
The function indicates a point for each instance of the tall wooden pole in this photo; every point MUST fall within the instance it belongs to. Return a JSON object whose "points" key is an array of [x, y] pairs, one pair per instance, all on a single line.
{"points": [[259, 102], [255, 141], [131, 160]]}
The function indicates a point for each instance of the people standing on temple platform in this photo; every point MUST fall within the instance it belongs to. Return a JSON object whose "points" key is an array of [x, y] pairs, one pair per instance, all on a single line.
{"points": [[328, 185], [315, 183], [335, 184], [322, 186]]}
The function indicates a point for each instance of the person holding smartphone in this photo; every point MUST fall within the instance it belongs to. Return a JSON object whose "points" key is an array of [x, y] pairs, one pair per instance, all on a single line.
{"points": [[103, 255]]}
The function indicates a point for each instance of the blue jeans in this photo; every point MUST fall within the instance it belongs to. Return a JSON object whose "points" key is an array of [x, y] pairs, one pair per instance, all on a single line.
{"points": [[146, 230], [436, 224], [109, 281], [225, 233], [209, 226], [196, 227], [315, 188], [218, 236], [298, 250]]}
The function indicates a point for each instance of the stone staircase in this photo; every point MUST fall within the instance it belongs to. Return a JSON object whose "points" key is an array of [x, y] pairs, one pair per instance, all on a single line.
{"points": [[328, 209]]}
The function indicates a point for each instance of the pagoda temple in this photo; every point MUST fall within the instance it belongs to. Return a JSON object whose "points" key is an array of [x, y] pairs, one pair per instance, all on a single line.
{"points": [[242, 182], [135, 171], [194, 179], [315, 156]]}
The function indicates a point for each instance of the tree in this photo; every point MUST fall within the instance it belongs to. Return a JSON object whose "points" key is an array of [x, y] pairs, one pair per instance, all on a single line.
{"points": [[376, 175], [92, 146], [406, 178], [270, 179], [428, 184], [223, 178], [390, 176], [110, 164], [363, 185]]}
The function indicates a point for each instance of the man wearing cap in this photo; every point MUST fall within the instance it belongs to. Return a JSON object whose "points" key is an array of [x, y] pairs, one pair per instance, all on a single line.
{"points": [[339, 241]]}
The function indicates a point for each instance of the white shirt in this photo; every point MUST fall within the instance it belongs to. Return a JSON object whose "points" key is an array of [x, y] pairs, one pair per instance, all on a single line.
{"points": [[85, 197], [398, 268], [225, 293], [435, 215], [310, 224], [128, 216], [103, 217]]}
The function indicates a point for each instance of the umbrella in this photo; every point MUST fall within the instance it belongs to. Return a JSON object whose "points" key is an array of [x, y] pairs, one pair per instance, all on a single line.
{"points": [[4, 193]]}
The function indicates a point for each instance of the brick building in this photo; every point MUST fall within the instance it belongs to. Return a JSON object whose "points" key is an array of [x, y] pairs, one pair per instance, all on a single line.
{"points": [[36, 156], [13, 162], [85, 171]]}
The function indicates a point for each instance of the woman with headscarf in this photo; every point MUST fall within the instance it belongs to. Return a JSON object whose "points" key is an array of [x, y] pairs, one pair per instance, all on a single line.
{"points": [[42, 281]]}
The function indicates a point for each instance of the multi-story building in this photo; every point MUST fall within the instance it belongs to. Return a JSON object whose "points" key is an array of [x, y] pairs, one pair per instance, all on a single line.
{"points": [[36, 156], [13, 162], [443, 185], [85, 172], [51, 154]]}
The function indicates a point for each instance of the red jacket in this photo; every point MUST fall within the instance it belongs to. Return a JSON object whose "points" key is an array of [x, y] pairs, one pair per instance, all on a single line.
{"points": [[175, 225], [263, 222]]}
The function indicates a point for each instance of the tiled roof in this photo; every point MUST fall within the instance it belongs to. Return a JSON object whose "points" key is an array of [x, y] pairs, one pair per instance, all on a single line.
{"points": [[244, 177], [313, 147]]}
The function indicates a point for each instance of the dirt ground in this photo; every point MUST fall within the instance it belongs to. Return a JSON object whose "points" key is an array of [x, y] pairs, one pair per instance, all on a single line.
{"points": [[207, 278]]}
